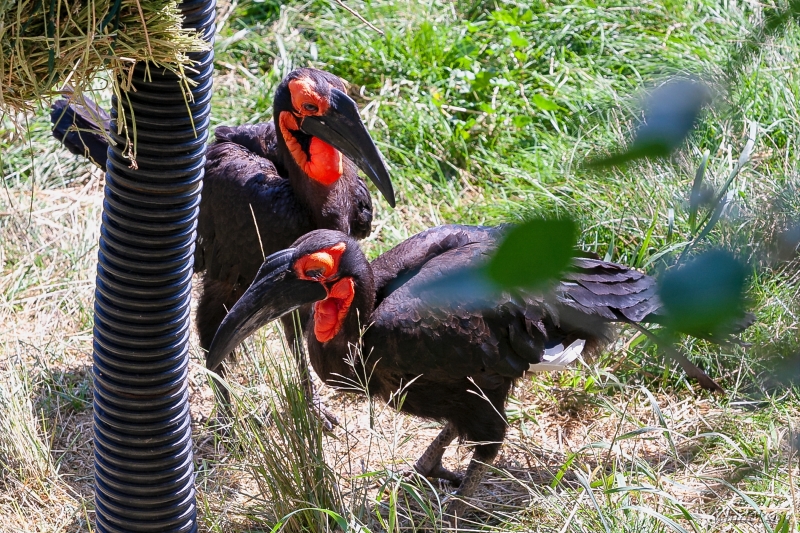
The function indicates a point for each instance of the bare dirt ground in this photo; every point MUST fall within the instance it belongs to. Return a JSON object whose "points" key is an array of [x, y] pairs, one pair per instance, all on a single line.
{"points": [[562, 442]]}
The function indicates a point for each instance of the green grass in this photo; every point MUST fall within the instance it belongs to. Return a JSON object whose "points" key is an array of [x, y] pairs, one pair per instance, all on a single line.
{"points": [[485, 112]]}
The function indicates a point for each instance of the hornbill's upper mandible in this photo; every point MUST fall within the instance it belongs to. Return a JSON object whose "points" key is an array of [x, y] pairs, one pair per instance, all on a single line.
{"points": [[456, 358]]}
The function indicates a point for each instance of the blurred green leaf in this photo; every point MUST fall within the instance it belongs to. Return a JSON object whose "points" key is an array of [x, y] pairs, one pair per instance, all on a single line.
{"points": [[520, 121], [533, 253], [670, 114], [482, 80], [505, 16], [705, 296], [530, 255], [543, 103], [788, 243], [518, 40]]}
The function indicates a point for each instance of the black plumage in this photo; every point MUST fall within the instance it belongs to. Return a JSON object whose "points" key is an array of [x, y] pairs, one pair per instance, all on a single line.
{"points": [[454, 357], [81, 128], [267, 184], [242, 188]]}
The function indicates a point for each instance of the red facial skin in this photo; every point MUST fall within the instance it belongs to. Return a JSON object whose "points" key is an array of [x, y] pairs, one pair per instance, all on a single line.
{"points": [[329, 313], [322, 162]]}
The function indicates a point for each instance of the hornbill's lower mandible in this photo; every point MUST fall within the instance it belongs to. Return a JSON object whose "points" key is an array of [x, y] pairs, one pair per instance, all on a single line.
{"points": [[456, 359], [265, 185]]}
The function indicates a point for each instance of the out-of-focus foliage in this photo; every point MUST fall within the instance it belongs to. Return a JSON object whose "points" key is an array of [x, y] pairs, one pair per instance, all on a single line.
{"points": [[706, 295], [533, 253], [670, 113]]}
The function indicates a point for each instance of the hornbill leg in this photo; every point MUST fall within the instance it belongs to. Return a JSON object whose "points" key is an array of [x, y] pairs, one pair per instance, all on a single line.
{"points": [[482, 458], [430, 462], [221, 392], [293, 330]]}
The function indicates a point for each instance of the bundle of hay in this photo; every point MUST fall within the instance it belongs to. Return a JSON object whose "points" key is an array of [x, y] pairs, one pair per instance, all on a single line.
{"points": [[47, 43]]}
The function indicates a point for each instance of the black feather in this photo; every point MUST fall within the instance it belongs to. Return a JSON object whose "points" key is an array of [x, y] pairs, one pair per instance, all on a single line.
{"points": [[81, 128]]}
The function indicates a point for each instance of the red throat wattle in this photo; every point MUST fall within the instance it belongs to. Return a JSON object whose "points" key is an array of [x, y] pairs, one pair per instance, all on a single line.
{"points": [[329, 314], [322, 162]]}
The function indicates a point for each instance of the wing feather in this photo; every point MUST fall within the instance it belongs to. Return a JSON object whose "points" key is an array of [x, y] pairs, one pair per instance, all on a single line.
{"points": [[501, 337], [242, 189]]}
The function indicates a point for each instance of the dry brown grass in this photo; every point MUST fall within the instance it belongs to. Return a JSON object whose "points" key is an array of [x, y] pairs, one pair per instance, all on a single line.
{"points": [[587, 450], [45, 45], [572, 435]]}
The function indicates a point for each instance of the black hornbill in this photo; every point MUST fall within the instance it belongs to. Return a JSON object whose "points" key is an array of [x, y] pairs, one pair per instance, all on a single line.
{"points": [[266, 185], [454, 359]]}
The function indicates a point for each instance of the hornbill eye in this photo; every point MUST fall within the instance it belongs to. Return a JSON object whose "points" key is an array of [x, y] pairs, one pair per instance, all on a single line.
{"points": [[311, 108], [316, 273], [320, 265]]}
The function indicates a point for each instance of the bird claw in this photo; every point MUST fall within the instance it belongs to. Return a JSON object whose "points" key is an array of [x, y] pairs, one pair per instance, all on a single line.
{"points": [[221, 424], [326, 418], [437, 472], [409, 474]]}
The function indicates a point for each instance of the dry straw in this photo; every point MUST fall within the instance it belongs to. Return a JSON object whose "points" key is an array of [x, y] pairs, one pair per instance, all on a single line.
{"points": [[45, 44]]}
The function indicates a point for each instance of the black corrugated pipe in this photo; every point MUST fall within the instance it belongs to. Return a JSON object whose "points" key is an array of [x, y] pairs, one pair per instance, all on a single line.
{"points": [[144, 473]]}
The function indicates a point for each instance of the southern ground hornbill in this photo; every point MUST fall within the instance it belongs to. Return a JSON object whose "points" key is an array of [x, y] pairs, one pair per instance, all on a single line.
{"points": [[454, 359], [263, 190]]}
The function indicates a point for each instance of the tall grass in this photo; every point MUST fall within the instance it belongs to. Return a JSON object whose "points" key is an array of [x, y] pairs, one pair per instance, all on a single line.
{"points": [[301, 484], [25, 452], [624, 444], [284, 452]]}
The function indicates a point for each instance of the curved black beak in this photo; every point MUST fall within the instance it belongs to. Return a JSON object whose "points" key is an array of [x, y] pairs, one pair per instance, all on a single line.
{"points": [[275, 292], [341, 127]]}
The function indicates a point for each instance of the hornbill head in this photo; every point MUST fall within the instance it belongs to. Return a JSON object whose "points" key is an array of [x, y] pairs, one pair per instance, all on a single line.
{"points": [[323, 266], [319, 122]]}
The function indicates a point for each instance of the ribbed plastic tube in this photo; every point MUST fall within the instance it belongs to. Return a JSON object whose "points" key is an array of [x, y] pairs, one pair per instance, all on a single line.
{"points": [[144, 472]]}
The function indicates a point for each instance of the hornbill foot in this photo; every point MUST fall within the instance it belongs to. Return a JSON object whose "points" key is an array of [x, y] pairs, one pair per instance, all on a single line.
{"points": [[326, 418], [437, 471], [440, 472], [221, 423], [457, 506], [429, 463]]}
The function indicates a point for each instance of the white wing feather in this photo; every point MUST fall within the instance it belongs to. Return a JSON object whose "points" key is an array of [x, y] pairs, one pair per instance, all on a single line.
{"points": [[558, 357]]}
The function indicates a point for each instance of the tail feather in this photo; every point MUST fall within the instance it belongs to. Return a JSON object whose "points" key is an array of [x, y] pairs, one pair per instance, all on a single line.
{"points": [[82, 128], [603, 291], [595, 292], [620, 294]]}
